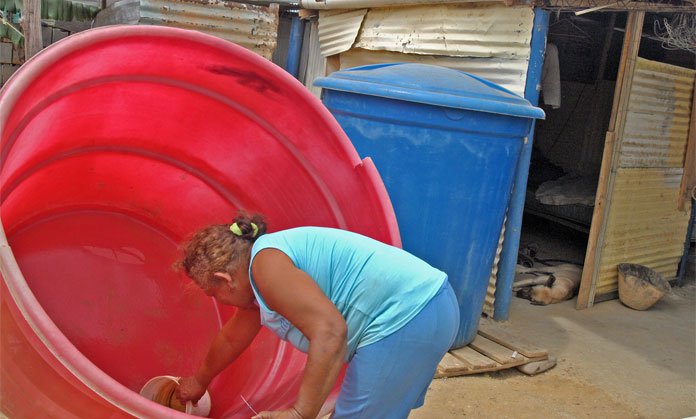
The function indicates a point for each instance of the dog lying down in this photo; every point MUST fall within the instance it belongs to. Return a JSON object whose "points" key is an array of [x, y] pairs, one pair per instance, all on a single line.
{"points": [[547, 285]]}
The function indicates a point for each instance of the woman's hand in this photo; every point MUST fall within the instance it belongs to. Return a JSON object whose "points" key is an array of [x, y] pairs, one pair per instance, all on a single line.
{"points": [[189, 389], [279, 414]]}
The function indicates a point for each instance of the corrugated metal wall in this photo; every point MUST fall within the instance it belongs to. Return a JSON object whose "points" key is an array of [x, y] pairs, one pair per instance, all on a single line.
{"points": [[644, 225], [490, 41], [338, 30], [658, 120], [450, 30], [253, 27]]}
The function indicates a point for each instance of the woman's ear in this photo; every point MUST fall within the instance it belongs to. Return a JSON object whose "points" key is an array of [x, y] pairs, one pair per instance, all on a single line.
{"points": [[223, 276]]}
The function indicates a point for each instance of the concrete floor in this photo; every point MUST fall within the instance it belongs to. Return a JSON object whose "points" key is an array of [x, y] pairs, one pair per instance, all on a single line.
{"points": [[613, 362]]}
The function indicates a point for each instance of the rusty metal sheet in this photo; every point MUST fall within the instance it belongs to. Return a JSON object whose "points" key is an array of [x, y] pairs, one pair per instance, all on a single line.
{"points": [[657, 123], [508, 73], [253, 27], [456, 30], [644, 225], [338, 30]]}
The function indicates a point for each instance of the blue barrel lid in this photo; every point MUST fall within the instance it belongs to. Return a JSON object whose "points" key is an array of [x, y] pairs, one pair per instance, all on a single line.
{"points": [[432, 85]]}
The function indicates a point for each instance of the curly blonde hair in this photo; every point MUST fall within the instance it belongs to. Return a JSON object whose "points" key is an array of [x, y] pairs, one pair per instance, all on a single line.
{"points": [[217, 248]]}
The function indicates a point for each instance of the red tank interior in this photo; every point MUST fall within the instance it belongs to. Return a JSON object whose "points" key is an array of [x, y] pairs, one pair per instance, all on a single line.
{"points": [[117, 143]]}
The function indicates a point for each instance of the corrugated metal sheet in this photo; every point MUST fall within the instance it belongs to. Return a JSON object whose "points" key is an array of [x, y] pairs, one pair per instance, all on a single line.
{"points": [[253, 27], [657, 124], [509, 73], [490, 41], [338, 30], [453, 30], [644, 225], [489, 303]]}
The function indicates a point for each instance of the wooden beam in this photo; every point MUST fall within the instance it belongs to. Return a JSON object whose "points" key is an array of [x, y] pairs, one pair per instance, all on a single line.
{"points": [[31, 26], [612, 6], [688, 183], [610, 159]]}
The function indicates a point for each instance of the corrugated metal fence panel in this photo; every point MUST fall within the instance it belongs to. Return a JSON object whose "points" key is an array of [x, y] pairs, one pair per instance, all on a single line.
{"points": [[657, 124], [452, 29], [253, 27], [338, 29], [509, 73], [644, 225]]}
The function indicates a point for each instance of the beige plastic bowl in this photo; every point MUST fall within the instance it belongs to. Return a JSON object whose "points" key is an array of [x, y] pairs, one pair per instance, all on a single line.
{"points": [[152, 388], [640, 287]]}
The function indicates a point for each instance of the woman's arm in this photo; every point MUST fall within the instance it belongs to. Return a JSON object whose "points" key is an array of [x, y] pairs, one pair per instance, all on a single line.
{"points": [[294, 295], [234, 337]]}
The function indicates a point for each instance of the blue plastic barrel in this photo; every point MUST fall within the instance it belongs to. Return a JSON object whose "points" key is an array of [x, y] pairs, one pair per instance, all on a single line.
{"points": [[446, 144]]}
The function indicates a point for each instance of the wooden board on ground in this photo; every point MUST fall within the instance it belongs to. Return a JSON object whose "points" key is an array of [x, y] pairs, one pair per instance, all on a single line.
{"points": [[507, 339], [475, 360], [487, 355], [493, 350]]}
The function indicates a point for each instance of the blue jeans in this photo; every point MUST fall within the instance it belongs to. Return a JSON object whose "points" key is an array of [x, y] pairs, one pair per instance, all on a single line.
{"points": [[390, 377]]}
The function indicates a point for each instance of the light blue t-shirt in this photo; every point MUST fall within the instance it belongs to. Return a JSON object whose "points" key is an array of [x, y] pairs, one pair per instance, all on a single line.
{"points": [[377, 288]]}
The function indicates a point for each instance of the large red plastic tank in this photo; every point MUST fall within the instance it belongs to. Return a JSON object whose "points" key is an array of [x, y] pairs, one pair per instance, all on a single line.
{"points": [[116, 144]]}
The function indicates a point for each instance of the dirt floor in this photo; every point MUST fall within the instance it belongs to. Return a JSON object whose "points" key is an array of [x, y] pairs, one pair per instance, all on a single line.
{"points": [[613, 362]]}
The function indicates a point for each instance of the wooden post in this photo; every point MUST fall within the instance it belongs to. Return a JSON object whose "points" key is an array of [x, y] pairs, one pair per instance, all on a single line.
{"points": [[610, 159], [31, 25], [688, 183]]}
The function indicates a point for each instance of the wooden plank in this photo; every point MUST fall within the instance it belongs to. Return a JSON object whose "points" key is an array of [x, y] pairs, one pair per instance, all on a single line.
{"points": [[493, 350], [504, 338], [610, 160], [688, 183], [474, 360], [483, 354], [450, 365], [31, 25]]}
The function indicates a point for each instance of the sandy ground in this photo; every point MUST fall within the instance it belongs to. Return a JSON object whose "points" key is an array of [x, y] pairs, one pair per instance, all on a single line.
{"points": [[613, 362]]}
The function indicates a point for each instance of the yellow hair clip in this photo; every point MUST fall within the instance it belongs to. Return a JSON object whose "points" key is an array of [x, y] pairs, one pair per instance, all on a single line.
{"points": [[238, 231]]}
